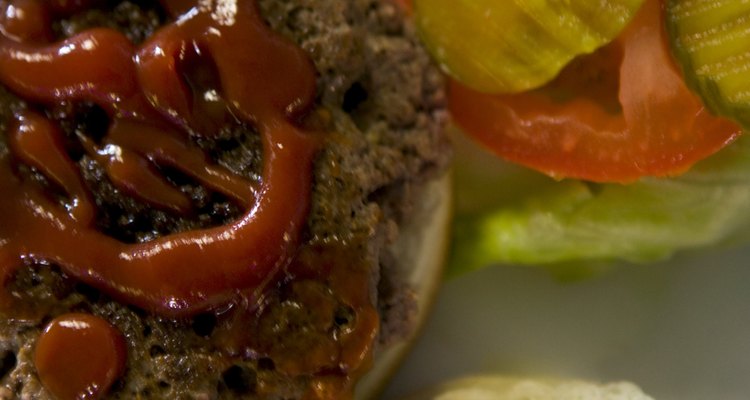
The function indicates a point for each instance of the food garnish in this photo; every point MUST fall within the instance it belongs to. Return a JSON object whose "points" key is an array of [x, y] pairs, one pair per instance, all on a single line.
{"points": [[710, 40], [512, 46], [614, 116]]}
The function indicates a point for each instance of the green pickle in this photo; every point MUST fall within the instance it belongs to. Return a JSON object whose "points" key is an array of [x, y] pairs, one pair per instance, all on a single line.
{"points": [[509, 46], [711, 41]]}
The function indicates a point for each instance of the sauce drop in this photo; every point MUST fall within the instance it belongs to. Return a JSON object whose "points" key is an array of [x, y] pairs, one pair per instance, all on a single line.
{"points": [[79, 356]]}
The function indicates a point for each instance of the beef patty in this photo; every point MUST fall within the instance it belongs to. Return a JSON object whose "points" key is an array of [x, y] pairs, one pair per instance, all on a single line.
{"points": [[380, 102]]}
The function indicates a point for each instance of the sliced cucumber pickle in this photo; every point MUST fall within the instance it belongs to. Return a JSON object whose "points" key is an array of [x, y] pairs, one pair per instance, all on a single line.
{"points": [[711, 41], [508, 46]]}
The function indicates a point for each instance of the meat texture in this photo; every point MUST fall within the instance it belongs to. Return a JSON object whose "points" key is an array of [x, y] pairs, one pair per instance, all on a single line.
{"points": [[382, 101]]}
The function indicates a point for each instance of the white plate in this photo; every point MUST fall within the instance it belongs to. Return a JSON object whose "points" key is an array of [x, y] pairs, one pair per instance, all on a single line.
{"points": [[679, 329]]}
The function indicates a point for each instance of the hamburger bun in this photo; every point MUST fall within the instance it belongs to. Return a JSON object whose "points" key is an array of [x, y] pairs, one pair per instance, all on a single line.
{"points": [[495, 387], [424, 249]]}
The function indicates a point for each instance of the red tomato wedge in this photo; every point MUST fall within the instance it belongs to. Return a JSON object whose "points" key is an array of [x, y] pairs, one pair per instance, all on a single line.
{"points": [[614, 116]]}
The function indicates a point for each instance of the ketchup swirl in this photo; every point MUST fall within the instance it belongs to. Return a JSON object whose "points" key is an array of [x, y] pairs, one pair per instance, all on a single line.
{"points": [[262, 79]]}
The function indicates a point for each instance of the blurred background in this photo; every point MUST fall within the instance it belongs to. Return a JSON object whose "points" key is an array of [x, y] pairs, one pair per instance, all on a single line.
{"points": [[679, 329]]}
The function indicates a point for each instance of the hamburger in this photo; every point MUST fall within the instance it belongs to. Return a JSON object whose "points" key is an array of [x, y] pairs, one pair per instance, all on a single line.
{"points": [[214, 199]]}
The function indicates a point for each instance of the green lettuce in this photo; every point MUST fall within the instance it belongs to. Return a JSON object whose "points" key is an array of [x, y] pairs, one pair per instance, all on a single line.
{"points": [[506, 214]]}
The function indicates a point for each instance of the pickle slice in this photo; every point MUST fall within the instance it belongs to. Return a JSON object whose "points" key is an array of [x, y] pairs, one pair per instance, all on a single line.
{"points": [[711, 41], [507, 46]]}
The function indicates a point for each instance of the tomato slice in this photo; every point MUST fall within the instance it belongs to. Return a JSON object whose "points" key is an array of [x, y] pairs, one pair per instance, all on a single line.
{"points": [[576, 127]]}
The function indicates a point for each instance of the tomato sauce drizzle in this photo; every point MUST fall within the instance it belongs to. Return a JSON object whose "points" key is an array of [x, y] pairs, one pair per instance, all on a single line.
{"points": [[261, 78]]}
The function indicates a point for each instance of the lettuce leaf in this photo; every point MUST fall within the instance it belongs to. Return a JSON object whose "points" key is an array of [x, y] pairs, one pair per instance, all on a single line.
{"points": [[506, 214]]}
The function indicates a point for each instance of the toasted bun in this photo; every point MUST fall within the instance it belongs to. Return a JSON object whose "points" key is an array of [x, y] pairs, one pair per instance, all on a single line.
{"points": [[422, 246], [506, 388]]}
